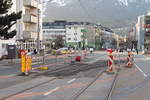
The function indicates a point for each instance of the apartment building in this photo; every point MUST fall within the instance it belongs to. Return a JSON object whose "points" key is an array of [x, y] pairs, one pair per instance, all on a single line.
{"points": [[54, 29], [147, 32], [143, 32], [74, 35], [29, 28]]}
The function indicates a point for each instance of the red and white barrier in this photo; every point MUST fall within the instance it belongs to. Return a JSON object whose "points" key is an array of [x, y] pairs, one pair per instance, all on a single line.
{"points": [[110, 61], [129, 60]]}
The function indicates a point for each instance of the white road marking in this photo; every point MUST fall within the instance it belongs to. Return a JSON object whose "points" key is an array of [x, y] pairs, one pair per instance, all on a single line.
{"points": [[71, 80], [12, 75], [36, 63], [51, 91], [141, 70]]}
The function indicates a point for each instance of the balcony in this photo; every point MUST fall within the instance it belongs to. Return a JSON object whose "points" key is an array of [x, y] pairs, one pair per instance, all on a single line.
{"points": [[30, 3], [147, 34], [29, 35], [147, 43], [30, 19]]}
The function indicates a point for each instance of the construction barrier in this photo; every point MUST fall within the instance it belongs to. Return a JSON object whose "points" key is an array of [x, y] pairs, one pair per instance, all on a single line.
{"points": [[25, 63], [129, 60], [78, 58], [110, 62], [36, 63]]}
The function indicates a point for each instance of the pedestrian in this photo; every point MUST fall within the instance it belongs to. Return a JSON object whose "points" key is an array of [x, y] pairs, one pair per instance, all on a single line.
{"points": [[35, 51], [137, 51], [91, 50]]}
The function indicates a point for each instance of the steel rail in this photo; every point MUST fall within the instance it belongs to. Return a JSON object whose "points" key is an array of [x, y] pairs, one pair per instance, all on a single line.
{"points": [[12, 95], [111, 89], [75, 97]]}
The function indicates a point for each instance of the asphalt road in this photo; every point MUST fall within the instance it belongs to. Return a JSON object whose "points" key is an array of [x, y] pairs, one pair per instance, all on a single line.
{"points": [[134, 83], [68, 81]]}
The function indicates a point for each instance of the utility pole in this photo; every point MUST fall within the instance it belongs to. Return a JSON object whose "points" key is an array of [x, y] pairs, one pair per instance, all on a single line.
{"points": [[75, 34], [38, 32]]}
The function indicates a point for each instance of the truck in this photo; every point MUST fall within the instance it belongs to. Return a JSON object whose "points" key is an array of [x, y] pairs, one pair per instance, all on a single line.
{"points": [[3, 47]]}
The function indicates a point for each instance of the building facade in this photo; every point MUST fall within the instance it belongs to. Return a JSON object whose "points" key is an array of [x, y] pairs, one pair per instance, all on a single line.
{"points": [[143, 32], [29, 28], [78, 34], [74, 35]]}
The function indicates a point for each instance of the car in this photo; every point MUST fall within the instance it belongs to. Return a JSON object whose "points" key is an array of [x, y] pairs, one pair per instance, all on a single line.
{"points": [[121, 50], [63, 50]]}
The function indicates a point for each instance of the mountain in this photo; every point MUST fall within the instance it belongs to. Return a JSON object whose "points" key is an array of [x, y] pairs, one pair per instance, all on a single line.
{"points": [[110, 13]]}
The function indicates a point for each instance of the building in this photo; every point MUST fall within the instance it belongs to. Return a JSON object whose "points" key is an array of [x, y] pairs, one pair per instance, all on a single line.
{"points": [[108, 39], [147, 32], [143, 32], [29, 28], [74, 35], [54, 29]]}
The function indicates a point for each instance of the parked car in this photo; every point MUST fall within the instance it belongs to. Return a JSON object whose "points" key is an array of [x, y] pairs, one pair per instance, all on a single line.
{"points": [[91, 49], [121, 50], [63, 50]]}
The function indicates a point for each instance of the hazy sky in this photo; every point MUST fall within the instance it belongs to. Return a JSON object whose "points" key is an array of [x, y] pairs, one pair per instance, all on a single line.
{"points": [[112, 13]]}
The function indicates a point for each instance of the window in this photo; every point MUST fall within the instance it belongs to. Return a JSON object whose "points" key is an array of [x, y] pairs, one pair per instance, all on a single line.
{"points": [[75, 39], [69, 38], [75, 33]]}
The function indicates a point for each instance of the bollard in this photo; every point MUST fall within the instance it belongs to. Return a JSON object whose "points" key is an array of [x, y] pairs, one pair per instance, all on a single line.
{"points": [[27, 66], [110, 69], [129, 60], [23, 61]]}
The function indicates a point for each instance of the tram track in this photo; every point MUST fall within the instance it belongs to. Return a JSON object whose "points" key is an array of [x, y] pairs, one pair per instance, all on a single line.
{"points": [[30, 88], [72, 68], [75, 97], [110, 90]]}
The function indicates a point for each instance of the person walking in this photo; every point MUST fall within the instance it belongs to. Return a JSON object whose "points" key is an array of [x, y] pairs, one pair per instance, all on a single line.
{"points": [[137, 51]]}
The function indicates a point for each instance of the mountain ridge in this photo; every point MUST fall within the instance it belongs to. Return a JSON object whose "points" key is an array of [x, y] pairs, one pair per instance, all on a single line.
{"points": [[110, 13]]}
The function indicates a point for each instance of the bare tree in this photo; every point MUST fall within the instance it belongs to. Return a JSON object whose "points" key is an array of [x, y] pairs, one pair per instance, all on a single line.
{"points": [[59, 41]]}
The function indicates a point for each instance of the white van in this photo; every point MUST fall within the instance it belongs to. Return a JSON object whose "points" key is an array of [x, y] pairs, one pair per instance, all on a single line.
{"points": [[3, 47]]}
